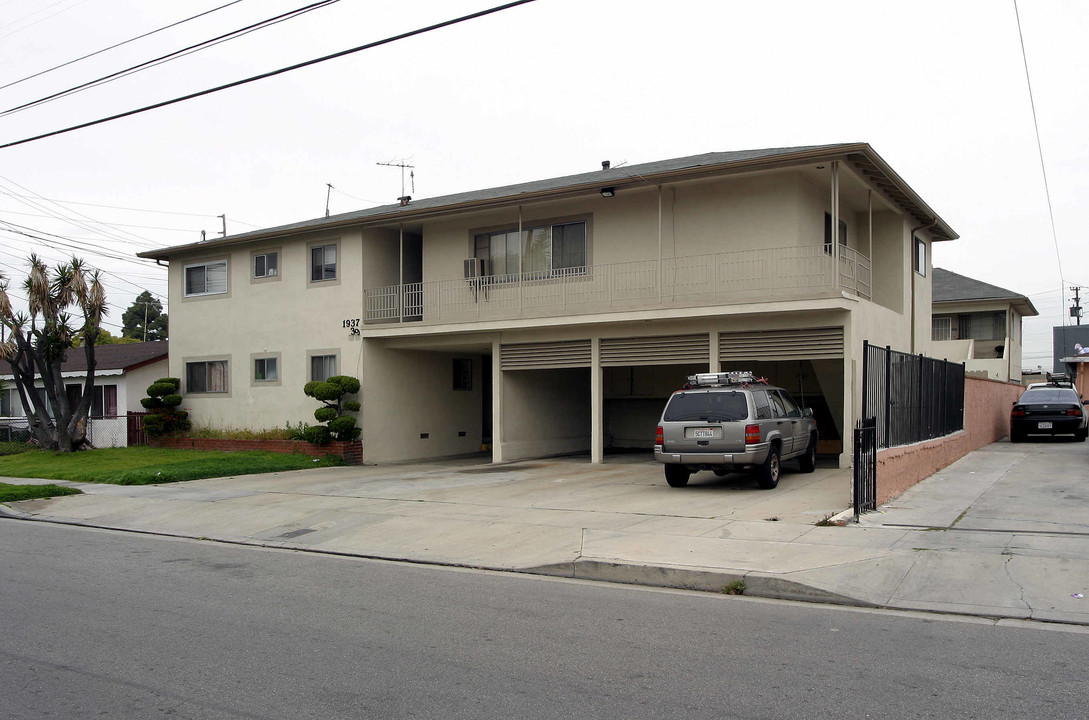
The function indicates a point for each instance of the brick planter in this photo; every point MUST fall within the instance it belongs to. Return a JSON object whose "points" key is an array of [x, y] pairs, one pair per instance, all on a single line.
{"points": [[350, 452]]}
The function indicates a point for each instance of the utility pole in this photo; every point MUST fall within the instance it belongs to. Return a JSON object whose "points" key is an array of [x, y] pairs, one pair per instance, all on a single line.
{"points": [[145, 321], [327, 193], [1075, 309]]}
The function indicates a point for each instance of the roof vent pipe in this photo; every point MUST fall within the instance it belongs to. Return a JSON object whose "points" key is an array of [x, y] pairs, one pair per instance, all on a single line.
{"points": [[605, 164]]}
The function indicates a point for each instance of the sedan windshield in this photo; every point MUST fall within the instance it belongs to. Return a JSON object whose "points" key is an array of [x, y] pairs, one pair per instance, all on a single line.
{"points": [[708, 407]]}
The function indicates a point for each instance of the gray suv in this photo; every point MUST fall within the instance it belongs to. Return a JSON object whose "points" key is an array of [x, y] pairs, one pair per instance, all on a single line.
{"points": [[732, 421]]}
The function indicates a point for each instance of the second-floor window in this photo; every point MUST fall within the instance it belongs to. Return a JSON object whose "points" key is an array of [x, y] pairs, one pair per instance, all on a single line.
{"points": [[206, 279], [544, 249], [323, 262], [941, 328], [266, 265]]}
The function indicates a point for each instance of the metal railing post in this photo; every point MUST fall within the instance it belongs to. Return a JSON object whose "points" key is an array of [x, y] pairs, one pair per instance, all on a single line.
{"points": [[888, 394]]}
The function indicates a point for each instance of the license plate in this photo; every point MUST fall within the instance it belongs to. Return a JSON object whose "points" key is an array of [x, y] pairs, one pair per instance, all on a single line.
{"points": [[703, 432], [1043, 426]]}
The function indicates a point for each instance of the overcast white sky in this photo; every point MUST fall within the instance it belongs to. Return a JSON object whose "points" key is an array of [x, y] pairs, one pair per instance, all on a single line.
{"points": [[552, 88]]}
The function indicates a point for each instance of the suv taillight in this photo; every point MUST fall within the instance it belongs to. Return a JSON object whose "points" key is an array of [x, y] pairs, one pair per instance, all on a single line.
{"points": [[659, 436], [752, 434]]}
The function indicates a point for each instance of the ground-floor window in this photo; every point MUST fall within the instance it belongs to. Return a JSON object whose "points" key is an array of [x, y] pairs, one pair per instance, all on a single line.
{"points": [[208, 376], [323, 367]]}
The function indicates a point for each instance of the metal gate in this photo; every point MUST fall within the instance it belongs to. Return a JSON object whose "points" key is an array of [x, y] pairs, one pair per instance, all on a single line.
{"points": [[865, 466]]}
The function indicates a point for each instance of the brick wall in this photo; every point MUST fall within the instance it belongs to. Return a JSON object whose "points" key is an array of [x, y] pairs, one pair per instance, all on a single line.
{"points": [[351, 452], [987, 406]]}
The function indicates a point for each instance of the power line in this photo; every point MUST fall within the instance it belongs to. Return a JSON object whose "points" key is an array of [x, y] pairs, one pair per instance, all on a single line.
{"points": [[113, 207], [38, 12], [117, 45], [262, 76], [162, 59], [115, 225], [1040, 150], [78, 223]]}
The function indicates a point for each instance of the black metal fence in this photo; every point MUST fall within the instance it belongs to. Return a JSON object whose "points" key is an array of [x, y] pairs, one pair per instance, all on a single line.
{"points": [[911, 397], [865, 466]]}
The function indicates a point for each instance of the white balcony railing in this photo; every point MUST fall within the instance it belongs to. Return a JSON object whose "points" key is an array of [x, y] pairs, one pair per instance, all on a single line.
{"points": [[740, 276]]}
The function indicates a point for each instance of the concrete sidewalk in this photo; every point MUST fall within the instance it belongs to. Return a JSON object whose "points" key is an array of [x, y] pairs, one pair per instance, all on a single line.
{"points": [[954, 543]]}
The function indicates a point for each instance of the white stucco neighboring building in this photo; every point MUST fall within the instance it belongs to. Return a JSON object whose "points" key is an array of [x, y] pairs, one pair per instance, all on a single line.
{"points": [[557, 315]]}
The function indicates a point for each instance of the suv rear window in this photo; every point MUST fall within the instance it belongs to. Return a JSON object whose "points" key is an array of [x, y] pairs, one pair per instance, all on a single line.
{"points": [[707, 406]]}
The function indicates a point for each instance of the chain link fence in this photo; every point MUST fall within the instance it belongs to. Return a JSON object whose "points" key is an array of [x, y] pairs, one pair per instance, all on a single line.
{"points": [[101, 432]]}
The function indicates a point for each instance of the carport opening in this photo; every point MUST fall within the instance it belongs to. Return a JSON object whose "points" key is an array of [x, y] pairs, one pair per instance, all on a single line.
{"points": [[816, 384], [634, 396]]}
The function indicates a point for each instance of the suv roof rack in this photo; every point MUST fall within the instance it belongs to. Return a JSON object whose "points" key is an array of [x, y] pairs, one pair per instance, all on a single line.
{"points": [[1054, 378], [721, 379]]}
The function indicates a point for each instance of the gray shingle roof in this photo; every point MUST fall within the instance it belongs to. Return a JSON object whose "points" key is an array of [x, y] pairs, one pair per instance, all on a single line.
{"points": [[117, 357], [594, 179], [948, 286]]}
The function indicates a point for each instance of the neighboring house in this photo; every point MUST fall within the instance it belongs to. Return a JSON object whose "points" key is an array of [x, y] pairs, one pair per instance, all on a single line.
{"points": [[123, 373], [978, 324], [557, 316]]}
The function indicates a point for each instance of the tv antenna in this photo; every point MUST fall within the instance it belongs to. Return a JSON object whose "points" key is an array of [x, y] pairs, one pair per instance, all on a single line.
{"points": [[411, 175]]}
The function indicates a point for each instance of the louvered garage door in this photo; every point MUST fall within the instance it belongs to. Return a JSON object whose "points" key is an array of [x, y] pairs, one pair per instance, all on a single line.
{"points": [[809, 344], [662, 350], [535, 356]]}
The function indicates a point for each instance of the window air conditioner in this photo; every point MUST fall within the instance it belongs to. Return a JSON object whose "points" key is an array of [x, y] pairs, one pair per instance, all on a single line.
{"points": [[476, 267]]}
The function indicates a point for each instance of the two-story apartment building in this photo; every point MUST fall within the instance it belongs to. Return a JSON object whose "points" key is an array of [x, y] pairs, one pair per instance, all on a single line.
{"points": [[978, 324], [556, 316]]}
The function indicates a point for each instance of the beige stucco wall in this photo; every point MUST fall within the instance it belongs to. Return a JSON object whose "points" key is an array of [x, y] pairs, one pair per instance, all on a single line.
{"points": [[286, 315], [407, 394]]}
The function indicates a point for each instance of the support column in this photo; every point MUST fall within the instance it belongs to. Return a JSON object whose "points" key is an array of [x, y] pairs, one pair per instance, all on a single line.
{"points": [[497, 403], [852, 401], [597, 404], [713, 364]]}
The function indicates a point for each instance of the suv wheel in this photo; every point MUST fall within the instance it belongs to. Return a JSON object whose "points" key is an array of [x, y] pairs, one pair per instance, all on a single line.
{"points": [[808, 462], [677, 475], [768, 474]]}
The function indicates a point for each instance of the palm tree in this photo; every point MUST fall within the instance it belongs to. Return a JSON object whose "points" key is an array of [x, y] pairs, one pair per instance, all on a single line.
{"points": [[39, 343]]}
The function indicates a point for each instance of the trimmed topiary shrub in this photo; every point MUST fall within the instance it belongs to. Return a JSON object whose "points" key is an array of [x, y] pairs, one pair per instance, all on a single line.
{"points": [[162, 403], [339, 425]]}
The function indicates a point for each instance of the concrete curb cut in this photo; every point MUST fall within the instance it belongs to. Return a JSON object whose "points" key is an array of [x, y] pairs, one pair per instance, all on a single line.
{"points": [[756, 584]]}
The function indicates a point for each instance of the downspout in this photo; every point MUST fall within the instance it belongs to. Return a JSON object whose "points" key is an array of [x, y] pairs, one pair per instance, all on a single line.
{"points": [[661, 275], [925, 226]]}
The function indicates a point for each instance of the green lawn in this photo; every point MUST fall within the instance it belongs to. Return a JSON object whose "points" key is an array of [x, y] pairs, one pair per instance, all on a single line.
{"points": [[145, 465], [14, 493]]}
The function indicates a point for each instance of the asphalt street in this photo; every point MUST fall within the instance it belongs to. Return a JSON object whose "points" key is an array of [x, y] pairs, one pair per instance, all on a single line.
{"points": [[105, 624]]}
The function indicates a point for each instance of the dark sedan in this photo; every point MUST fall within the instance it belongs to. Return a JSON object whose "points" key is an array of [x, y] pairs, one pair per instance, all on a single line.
{"points": [[1048, 411]]}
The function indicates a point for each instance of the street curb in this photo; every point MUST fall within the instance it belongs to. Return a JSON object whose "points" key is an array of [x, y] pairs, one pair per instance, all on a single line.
{"points": [[754, 584]]}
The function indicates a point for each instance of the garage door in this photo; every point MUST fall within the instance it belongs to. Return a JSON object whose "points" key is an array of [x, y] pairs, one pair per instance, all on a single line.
{"points": [[660, 350], [808, 344], [541, 355]]}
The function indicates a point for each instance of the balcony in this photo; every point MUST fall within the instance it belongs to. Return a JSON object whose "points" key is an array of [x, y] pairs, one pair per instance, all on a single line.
{"points": [[765, 275]]}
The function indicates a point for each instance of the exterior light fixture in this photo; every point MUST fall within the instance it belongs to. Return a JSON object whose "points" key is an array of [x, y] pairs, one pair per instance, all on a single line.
{"points": [[608, 192]]}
